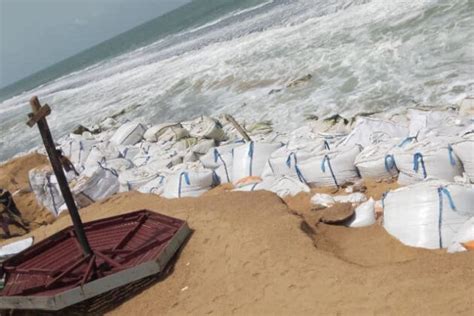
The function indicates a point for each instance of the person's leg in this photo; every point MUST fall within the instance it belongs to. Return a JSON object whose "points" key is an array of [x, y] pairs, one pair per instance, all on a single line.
{"points": [[4, 222]]}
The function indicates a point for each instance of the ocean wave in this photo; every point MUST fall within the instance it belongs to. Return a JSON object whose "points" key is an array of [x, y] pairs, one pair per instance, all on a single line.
{"points": [[362, 56]]}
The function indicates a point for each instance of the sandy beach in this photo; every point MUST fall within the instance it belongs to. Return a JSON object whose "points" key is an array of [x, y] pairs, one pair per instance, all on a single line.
{"points": [[250, 254]]}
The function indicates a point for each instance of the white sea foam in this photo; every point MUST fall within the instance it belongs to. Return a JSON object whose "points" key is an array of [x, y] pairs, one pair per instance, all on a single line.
{"points": [[362, 55]]}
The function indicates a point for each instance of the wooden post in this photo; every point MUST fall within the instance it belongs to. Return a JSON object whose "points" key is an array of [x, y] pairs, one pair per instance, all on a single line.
{"points": [[39, 117], [239, 128]]}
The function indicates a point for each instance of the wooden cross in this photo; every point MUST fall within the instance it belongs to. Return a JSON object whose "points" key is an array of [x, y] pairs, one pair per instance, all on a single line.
{"points": [[38, 116]]}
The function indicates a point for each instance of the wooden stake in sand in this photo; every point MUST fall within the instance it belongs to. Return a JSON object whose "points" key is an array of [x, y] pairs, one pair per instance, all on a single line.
{"points": [[39, 117], [239, 128]]}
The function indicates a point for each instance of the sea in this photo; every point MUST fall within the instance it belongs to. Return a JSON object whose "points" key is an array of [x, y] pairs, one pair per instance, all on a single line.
{"points": [[225, 56]]}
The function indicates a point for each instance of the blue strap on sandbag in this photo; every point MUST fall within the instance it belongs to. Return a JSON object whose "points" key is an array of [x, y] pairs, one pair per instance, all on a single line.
{"points": [[250, 153], [408, 139], [326, 145], [147, 150], [446, 192], [323, 168], [297, 169], [288, 160], [451, 156], [417, 159], [253, 186], [162, 178], [390, 163], [125, 152], [186, 179], [270, 165], [111, 170], [217, 156], [215, 179], [300, 174]]}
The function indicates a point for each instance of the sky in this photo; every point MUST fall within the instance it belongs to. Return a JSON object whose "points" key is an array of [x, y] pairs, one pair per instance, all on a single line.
{"points": [[35, 34]]}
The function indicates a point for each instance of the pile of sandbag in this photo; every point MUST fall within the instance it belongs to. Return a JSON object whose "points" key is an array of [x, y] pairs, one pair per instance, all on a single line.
{"points": [[186, 159]]}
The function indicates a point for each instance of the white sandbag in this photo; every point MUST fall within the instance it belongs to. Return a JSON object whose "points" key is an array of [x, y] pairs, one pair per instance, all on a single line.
{"points": [[134, 178], [377, 162], [428, 214], [330, 167], [95, 186], [465, 234], [430, 158], [259, 128], [157, 157], [15, 247], [464, 149], [212, 160], [206, 127], [155, 186], [368, 131], [44, 184], [364, 215], [221, 160], [189, 183], [164, 162], [322, 199], [181, 147], [165, 132], [117, 164], [203, 146], [284, 161], [129, 133], [282, 186], [129, 152], [250, 159], [433, 123], [224, 162], [78, 150], [100, 152], [353, 198]]}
